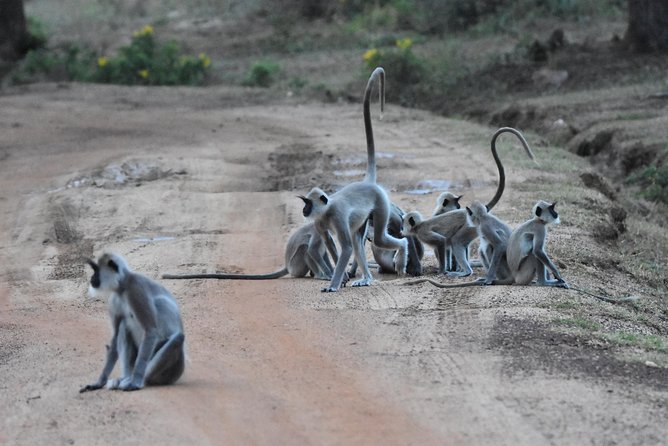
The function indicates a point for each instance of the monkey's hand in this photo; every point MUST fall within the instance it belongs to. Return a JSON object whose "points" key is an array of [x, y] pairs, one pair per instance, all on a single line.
{"points": [[89, 387]]}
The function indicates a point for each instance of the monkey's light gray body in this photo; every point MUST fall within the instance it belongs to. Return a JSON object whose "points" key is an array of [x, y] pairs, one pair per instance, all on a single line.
{"points": [[147, 328]]}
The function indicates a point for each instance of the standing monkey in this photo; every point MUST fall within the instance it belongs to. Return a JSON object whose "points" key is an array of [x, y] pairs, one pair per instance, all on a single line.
{"points": [[147, 329], [346, 212]]}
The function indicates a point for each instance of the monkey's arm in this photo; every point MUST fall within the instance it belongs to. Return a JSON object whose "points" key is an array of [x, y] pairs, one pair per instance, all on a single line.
{"points": [[112, 357], [146, 314], [499, 246], [539, 252]]}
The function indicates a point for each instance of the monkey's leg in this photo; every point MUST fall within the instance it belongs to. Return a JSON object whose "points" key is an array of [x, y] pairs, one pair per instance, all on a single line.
{"points": [[127, 354], [168, 362], [497, 255], [298, 265], [346, 243], [441, 255], [460, 255], [360, 259], [526, 271], [112, 357], [414, 266]]}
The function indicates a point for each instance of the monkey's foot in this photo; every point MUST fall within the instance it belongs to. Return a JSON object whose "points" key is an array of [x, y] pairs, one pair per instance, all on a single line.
{"points": [[363, 282], [329, 289], [458, 274]]}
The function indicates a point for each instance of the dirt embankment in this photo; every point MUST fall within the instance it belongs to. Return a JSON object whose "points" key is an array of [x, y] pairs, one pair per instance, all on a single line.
{"points": [[176, 182]]}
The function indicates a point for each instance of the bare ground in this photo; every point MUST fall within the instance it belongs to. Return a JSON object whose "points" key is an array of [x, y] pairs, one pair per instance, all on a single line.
{"points": [[203, 180]]}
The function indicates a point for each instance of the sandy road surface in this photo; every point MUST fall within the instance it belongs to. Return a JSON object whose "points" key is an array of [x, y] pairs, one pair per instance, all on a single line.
{"points": [[198, 180]]}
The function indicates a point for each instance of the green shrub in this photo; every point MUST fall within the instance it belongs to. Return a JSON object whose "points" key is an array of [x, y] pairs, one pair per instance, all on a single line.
{"points": [[143, 62], [653, 181], [262, 74], [405, 66], [146, 62]]}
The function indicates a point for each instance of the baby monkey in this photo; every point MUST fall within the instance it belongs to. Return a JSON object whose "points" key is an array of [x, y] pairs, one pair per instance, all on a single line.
{"points": [[147, 329]]}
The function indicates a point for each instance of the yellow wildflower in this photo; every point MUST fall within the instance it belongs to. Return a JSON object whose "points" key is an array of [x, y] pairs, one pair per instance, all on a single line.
{"points": [[147, 30], [102, 61], [404, 44], [206, 60], [370, 54], [143, 73]]}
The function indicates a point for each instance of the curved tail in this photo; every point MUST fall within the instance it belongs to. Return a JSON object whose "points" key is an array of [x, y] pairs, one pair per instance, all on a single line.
{"points": [[274, 275], [379, 73], [445, 285], [499, 164]]}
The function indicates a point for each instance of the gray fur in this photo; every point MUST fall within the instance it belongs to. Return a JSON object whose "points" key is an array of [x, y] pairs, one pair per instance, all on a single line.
{"points": [[147, 329], [346, 213], [442, 232], [526, 254]]}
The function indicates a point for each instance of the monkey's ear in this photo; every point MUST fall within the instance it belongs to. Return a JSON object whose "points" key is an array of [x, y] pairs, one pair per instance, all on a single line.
{"points": [[324, 199], [113, 265], [487, 208], [553, 205], [458, 198], [411, 221], [468, 209], [539, 211], [93, 265], [445, 202], [303, 198]]}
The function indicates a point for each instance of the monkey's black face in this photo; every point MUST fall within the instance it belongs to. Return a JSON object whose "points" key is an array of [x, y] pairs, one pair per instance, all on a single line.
{"points": [[95, 280], [308, 206], [553, 212]]}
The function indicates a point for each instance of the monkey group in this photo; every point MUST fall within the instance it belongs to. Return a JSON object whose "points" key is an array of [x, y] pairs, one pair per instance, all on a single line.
{"points": [[147, 332]]}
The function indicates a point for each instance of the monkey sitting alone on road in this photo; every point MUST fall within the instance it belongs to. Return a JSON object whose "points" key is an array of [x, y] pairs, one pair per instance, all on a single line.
{"points": [[147, 329]]}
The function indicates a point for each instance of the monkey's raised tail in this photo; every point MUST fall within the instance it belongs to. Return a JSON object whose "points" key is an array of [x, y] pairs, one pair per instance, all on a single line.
{"points": [[502, 173], [274, 275], [370, 146]]}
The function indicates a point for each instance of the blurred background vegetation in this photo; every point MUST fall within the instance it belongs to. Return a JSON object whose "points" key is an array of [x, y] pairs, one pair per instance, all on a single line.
{"points": [[486, 60]]}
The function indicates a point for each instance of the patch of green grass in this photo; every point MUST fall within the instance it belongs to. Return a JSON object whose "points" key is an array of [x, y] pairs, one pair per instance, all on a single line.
{"points": [[653, 181], [262, 74], [645, 342], [578, 322]]}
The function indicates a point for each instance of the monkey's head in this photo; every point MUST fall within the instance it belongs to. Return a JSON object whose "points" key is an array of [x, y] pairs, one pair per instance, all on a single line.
{"points": [[409, 223], [447, 202], [107, 274], [315, 203], [546, 212], [476, 211]]}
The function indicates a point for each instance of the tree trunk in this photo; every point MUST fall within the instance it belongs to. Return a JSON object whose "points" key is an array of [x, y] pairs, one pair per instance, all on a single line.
{"points": [[648, 25], [14, 37]]}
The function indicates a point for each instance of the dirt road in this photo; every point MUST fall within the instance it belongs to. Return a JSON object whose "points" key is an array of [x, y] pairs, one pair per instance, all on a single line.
{"points": [[205, 179]]}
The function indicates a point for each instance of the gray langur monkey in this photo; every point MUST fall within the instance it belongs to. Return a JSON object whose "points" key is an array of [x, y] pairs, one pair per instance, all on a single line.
{"points": [[493, 235], [385, 257], [305, 254], [448, 231], [147, 329], [447, 201], [525, 256], [346, 212]]}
